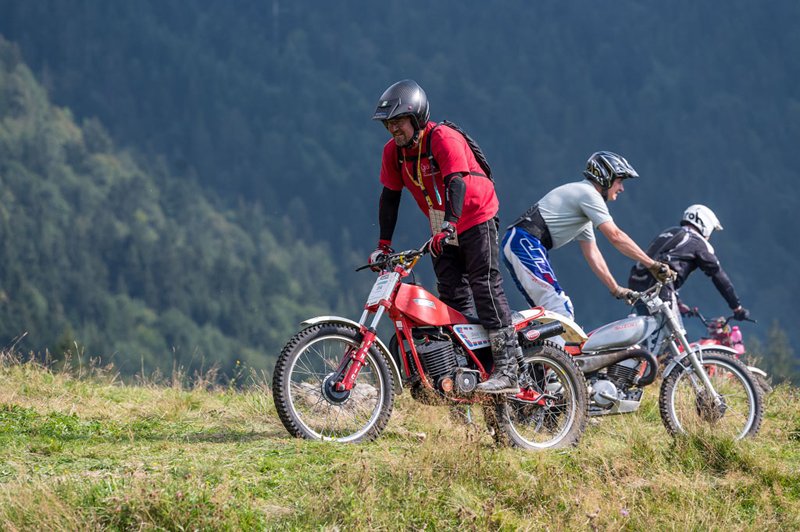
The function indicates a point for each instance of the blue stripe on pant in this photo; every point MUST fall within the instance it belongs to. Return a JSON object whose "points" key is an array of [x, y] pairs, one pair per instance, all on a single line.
{"points": [[529, 264]]}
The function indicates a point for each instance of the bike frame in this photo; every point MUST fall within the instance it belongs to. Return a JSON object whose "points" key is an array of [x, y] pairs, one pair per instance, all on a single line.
{"points": [[382, 299], [410, 306], [676, 340]]}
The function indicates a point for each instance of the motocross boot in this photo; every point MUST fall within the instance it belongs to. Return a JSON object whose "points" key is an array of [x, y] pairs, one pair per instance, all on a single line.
{"points": [[505, 352]]}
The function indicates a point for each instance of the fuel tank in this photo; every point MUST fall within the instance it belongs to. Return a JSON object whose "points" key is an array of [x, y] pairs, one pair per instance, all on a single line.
{"points": [[620, 334], [425, 308]]}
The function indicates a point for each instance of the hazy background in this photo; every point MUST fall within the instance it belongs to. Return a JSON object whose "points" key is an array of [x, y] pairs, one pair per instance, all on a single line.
{"points": [[184, 181]]}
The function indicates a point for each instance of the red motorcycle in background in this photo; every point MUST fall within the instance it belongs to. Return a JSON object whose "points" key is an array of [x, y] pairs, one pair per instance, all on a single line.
{"points": [[727, 339], [336, 380]]}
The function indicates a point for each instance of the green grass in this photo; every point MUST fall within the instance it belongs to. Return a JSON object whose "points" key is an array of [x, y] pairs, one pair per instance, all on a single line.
{"points": [[89, 452]]}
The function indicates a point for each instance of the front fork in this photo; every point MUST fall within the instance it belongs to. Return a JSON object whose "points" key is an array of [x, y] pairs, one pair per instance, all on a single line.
{"points": [[699, 370], [354, 360]]}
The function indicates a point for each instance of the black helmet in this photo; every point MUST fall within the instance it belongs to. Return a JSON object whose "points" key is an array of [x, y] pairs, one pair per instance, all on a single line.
{"points": [[404, 98], [603, 167]]}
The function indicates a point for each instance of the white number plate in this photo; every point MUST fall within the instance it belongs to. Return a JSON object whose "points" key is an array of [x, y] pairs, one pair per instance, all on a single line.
{"points": [[382, 288]]}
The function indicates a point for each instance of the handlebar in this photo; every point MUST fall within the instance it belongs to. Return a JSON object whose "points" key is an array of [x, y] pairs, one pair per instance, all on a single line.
{"points": [[635, 296], [403, 256], [397, 258], [710, 321]]}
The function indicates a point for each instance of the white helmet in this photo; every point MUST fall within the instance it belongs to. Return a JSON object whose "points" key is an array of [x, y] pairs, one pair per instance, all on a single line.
{"points": [[702, 218]]}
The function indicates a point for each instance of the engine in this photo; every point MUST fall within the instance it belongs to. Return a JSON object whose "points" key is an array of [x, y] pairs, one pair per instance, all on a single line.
{"points": [[438, 358], [444, 363], [623, 374], [612, 391]]}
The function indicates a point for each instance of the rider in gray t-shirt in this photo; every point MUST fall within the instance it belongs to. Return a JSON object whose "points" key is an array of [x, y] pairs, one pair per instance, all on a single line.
{"points": [[571, 212]]}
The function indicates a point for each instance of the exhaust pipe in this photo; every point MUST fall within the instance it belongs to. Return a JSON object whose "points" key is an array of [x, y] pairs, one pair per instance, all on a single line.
{"points": [[542, 331], [592, 363]]}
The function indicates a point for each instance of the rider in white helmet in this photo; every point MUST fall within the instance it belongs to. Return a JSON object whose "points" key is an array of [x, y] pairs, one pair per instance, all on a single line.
{"points": [[701, 218], [686, 248]]}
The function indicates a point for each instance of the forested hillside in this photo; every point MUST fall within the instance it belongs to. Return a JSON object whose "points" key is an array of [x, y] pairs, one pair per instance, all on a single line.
{"points": [[101, 257], [265, 106]]}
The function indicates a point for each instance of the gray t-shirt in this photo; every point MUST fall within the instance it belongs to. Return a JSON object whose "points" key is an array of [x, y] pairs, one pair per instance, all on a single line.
{"points": [[571, 210]]}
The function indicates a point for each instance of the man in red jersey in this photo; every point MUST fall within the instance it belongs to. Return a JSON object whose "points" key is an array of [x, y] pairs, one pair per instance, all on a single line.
{"points": [[438, 167]]}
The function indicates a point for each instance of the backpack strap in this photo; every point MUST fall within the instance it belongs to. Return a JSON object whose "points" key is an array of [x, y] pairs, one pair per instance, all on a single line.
{"points": [[417, 179]]}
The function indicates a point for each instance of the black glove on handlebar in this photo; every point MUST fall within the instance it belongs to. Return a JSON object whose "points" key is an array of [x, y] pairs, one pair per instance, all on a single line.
{"points": [[740, 313]]}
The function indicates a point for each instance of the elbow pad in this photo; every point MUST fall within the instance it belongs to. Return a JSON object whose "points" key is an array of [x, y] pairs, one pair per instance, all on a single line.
{"points": [[455, 190]]}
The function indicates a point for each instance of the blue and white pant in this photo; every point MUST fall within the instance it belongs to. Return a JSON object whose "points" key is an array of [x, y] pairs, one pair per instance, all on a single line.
{"points": [[529, 263]]}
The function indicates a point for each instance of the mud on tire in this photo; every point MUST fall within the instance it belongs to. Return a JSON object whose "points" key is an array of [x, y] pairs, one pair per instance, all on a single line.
{"points": [[534, 427]]}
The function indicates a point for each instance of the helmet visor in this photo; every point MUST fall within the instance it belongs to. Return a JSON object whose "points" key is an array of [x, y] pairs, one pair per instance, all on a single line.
{"points": [[386, 109]]}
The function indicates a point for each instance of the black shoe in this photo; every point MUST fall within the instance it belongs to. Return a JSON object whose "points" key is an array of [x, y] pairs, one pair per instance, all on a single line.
{"points": [[498, 384]]}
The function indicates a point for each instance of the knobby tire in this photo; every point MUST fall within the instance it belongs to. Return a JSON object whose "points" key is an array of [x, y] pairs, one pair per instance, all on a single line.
{"points": [[298, 387], [683, 410]]}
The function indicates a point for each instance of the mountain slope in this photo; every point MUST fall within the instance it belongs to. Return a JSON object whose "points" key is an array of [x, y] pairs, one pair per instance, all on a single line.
{"points": [[128, 264]]}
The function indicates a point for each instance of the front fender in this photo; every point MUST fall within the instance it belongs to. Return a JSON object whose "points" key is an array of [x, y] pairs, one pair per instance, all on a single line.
{"points": [[398, 381]]}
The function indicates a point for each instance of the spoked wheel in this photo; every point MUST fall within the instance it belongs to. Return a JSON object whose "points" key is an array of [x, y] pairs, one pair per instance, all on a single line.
{"points": [[559, 418], [305, 394], [687, 407]]}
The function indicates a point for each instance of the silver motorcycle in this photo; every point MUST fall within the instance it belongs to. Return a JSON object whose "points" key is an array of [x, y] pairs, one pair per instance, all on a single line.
{"points": [[699, 390]]}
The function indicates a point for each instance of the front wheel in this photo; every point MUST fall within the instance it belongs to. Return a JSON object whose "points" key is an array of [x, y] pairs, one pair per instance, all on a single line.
{"points": [[764, 383], [561, 420], [686, 406], [308, 403]]}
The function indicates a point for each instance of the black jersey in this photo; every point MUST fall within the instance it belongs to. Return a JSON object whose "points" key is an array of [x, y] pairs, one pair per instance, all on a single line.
{"points": [[685, 251]]}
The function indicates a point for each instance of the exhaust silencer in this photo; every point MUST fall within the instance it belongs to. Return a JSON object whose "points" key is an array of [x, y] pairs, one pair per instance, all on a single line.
{"points": [[542, 331]]}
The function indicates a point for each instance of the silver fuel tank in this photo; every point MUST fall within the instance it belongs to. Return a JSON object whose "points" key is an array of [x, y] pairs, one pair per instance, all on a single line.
{"points": [[620, 334]]}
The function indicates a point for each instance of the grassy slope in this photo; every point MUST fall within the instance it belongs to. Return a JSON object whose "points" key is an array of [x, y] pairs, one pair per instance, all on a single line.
{"points": [[83, 451]]}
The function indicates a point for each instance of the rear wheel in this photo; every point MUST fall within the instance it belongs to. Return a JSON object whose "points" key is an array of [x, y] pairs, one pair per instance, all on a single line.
{"points": [[686, 406], [561, 420], [308, 403]]}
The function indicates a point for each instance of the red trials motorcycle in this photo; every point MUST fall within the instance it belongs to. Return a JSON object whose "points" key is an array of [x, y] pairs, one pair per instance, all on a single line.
{"points": [[336, 380], [728, 340]]}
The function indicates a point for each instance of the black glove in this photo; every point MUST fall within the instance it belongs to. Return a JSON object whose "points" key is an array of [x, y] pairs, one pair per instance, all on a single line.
{"points": [[740, 313]]}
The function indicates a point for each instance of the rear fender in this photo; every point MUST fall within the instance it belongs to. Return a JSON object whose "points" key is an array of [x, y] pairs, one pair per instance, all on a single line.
{"points": [[398, 381], [572, 331]]}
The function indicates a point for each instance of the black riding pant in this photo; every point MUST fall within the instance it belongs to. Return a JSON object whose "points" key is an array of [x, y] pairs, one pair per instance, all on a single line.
{"points": [[469, 276]]}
